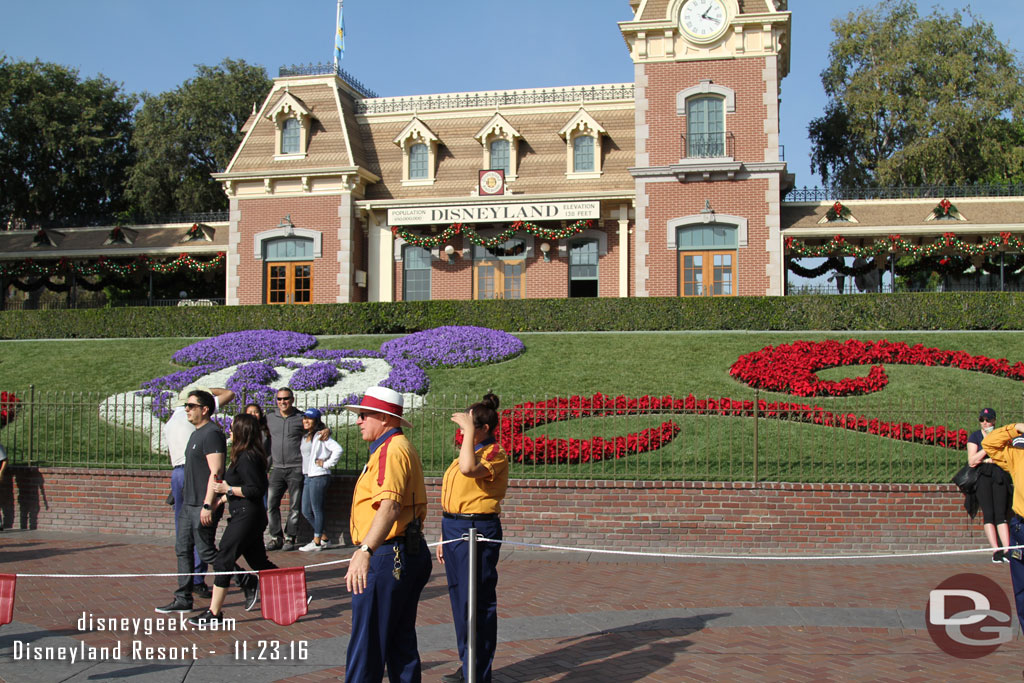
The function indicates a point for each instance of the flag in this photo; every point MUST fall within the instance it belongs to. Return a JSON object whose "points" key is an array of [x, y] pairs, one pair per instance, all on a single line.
{"points": [[7, 583], [339, 36], [283, 594]]}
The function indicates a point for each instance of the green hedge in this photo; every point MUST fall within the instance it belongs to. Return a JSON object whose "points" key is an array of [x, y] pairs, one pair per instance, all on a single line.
{"points": [[928, 311]]}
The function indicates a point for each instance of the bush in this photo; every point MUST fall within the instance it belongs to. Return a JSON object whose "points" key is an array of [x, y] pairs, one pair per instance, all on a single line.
{"points": [[884, 312]]}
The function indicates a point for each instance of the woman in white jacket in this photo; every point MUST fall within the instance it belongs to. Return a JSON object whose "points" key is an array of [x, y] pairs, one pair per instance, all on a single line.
{"points": [[318, 457]]}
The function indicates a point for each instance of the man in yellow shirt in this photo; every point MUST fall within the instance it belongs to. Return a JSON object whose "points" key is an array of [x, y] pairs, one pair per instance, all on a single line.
{"points": [[392, 565], [1005, 445]]}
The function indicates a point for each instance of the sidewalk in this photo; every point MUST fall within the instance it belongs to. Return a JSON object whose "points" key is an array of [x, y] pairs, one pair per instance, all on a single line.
{"points": [[579, 617]]}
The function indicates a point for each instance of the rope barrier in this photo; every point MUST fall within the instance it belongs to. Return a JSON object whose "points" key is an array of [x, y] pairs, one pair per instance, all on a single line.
{"points": [[695, 556], [177, 575], [545, 546]]}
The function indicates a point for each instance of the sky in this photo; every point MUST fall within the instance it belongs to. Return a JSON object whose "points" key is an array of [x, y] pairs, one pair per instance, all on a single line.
{"points": [[410, 47]]}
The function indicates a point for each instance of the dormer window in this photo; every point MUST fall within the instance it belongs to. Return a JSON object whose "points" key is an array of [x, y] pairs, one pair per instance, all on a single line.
{"points": [[582, 154], [292, 122], [501, 143], [291, 133], [583, 146], [500, 156], [419, 157], [419, 153]]}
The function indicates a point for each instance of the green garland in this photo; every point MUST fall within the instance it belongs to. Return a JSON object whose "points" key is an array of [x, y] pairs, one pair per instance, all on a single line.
{"points": [[470, 233], [103, 266], [948, 244]]}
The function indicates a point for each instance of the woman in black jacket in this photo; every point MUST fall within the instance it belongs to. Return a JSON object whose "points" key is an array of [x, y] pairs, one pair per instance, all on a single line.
{"points": [[243, 486]]}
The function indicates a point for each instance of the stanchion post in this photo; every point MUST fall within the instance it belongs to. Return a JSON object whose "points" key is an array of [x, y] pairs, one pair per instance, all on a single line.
{"points": [[757, 397], [474, 574]]}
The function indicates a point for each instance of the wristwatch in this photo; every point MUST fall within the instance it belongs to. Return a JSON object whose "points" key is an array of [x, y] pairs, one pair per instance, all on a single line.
{"points": [[206, 506], [366, 549]]}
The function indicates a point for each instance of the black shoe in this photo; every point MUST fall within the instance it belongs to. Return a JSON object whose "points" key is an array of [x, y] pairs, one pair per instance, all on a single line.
{"points": [[997, 557], [207, 620], [1006, 556], [275, 544], [454, 677], [178, 606], [201, 590], [252, 591], [290, 544]]}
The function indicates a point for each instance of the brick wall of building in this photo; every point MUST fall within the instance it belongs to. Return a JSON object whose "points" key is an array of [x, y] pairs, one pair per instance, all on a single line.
{"points": [[313, 213], [669, 517]]}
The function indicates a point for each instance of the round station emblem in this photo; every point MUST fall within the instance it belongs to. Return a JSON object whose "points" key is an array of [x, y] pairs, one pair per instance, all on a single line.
{"points": [[491, 182]]}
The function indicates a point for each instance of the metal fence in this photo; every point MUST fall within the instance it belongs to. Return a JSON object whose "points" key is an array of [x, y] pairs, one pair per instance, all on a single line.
{"points": [[761, 437]]}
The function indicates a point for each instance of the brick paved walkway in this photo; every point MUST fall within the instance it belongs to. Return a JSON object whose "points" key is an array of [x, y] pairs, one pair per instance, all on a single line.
{"points": [[564, 617]]}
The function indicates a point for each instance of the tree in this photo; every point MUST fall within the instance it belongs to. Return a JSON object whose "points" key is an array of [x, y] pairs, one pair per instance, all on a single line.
{"points": [[918, 101], [64, 144], [184, 135]]}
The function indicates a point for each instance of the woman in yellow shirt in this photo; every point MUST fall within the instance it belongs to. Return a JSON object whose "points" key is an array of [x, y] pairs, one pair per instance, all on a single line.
{"points": [[474, 486]]}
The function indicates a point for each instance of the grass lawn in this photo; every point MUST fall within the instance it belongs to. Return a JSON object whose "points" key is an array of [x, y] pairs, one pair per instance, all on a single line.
{"points": [[561, 365]]}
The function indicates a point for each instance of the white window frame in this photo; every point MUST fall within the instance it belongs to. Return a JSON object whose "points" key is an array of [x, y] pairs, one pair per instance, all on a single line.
{"points": [[290, 107], [582, 123], [498, 128], [417, 132]]}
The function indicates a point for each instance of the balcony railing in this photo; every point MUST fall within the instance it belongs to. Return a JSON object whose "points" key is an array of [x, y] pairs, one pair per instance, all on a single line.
{"points": [[828, 194], [326, 69], [707, 146]]}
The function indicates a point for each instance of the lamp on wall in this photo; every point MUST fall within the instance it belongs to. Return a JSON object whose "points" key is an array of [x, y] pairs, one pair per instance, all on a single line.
{"points": [[544, 249], [450, 251], [287, 224]]}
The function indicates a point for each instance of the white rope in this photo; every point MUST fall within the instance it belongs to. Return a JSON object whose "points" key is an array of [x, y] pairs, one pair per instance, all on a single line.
{"points": [[241, 571], [695, 556]]}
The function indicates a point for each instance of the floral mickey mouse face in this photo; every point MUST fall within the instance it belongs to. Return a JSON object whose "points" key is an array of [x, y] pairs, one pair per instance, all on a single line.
{"points": [[255, 363]]}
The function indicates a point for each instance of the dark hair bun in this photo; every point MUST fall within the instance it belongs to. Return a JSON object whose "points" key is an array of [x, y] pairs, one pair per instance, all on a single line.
{"points": [[490, 400]]}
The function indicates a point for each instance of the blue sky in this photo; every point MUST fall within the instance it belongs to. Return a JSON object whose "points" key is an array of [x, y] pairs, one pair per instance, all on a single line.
{"points": [[406, 47]]}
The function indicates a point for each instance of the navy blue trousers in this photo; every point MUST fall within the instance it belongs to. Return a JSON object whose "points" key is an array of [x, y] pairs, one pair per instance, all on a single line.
{"points": [[456, 567], [384, 618]]}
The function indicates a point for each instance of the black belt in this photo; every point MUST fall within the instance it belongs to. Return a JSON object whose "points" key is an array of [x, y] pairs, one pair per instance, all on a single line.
{"points": [[490, 517]]}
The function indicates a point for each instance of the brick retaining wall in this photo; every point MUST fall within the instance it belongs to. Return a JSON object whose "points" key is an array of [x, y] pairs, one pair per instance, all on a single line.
{"points": [[651, 516]]}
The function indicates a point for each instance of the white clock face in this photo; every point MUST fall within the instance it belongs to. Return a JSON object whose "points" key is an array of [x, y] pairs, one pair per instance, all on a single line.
{"points": [[702, 18]]}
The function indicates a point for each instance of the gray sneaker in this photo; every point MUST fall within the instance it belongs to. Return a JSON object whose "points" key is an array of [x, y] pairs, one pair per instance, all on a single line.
{"points": [[290, 544]]}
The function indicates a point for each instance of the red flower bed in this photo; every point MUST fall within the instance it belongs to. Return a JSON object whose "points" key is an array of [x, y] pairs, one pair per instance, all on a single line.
{"points": [[791, 368], [8, 404], [516, 420]]}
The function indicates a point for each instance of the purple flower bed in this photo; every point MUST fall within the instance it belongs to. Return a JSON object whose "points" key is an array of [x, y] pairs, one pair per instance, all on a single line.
{"points": [[238, 347], [453, 346], [406, 376], [314, 376]]}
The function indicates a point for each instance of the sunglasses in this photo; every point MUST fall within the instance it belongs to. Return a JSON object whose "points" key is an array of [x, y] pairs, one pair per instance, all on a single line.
{"points": [[282, 399], [191, 406], [363, 416]]}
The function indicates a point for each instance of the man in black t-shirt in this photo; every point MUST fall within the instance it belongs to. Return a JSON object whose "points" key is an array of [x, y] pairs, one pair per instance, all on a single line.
{"points": [[200, 511]]}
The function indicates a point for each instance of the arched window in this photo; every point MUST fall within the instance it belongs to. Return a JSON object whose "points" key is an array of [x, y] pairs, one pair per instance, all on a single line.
{"points": [[707, 260], [290, 132], [582, 153], [705, 127], [419, 156], [500, 156], [583, 267], [415, 273]]}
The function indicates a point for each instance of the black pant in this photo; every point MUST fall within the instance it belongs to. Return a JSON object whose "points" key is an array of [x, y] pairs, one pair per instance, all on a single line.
{"points": [[242, 538], [993, 492], [280, 478]]}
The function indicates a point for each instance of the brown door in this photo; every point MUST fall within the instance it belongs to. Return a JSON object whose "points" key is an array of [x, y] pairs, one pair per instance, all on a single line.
{"points": [[290, 283]]}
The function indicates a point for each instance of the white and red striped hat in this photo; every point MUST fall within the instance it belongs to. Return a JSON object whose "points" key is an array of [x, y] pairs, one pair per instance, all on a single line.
{"points": [[381, 400]]}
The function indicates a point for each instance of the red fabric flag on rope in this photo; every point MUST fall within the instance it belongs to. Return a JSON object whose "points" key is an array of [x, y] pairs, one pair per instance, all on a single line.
{"points": [[7, 582], [283, 594]]}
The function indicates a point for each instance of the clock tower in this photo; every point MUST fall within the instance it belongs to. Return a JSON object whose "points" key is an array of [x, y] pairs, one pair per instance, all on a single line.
{"points": [[709, 170]]}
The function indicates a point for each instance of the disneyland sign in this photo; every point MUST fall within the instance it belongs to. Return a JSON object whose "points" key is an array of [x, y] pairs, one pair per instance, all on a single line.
{"points": [[494, 213]]}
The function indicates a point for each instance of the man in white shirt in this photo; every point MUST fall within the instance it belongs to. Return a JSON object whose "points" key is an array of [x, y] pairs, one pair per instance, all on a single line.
{"points": [[177, 431]]}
